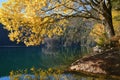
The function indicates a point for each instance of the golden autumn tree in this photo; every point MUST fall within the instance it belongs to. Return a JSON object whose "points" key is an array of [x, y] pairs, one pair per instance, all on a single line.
{"points": [[98, 34], [116, 21], [29, 21], [26, 22], [98, 31]]}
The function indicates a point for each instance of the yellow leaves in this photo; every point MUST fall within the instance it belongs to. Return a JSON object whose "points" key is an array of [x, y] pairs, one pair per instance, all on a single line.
{"points": [[99, 34], [98, 30], [8, 27], [34, 30], [5, 5], [27, 23], [63, 22], [18, 40], [100, 41], [13, 35], [51, 20], [43, 31], [59, 31], [116, 20], [115, 13], [1, 12], [101, 17], [45, 19], [50, 34], [43, 2], [55, 30], [33, 40], [65, 10]]}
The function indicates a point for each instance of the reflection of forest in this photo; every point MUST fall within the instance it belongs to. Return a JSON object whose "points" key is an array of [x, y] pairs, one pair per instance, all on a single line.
{"points": [[60, 50], [52, 57], [50, 51]]}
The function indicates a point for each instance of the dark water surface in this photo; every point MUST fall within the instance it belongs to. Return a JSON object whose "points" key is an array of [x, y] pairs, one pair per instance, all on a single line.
{"points": [[14, 58]]}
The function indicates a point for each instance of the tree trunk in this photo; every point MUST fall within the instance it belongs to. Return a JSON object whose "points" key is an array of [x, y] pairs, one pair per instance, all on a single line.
{"points": [[108, 19], [109, 27]]}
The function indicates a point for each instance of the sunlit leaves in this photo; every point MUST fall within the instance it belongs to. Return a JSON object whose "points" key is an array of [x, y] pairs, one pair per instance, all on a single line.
{"points": [[116, 20], [99, 34], [13, 35], [27, 22], [116, 4]]}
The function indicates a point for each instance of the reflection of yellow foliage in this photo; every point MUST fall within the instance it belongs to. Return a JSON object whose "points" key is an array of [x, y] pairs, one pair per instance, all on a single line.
{"points": [[11, 73], [32, 69], [39, 74], [50, 70]]}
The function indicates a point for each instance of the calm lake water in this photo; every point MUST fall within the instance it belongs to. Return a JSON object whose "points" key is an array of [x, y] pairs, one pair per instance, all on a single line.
{"points": [[15, 58]]}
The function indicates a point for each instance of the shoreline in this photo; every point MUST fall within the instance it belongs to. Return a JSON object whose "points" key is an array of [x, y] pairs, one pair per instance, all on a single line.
{"points": [[106, 63]]}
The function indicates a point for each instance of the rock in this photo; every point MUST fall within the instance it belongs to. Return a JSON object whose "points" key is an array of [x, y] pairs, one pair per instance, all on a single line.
{"points": [[97, 49], [88, 66], [102, 63]]}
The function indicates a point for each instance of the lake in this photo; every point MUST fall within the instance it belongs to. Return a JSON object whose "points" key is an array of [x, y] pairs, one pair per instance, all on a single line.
{"points": [[15, 58]]}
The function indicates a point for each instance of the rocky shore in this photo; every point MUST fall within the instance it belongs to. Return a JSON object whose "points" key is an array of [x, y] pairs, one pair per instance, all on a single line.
{"points": [[106, 62]]}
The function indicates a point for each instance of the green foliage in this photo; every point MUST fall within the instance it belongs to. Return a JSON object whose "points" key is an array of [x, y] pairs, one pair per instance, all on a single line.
{"points": [[116, 4]]}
